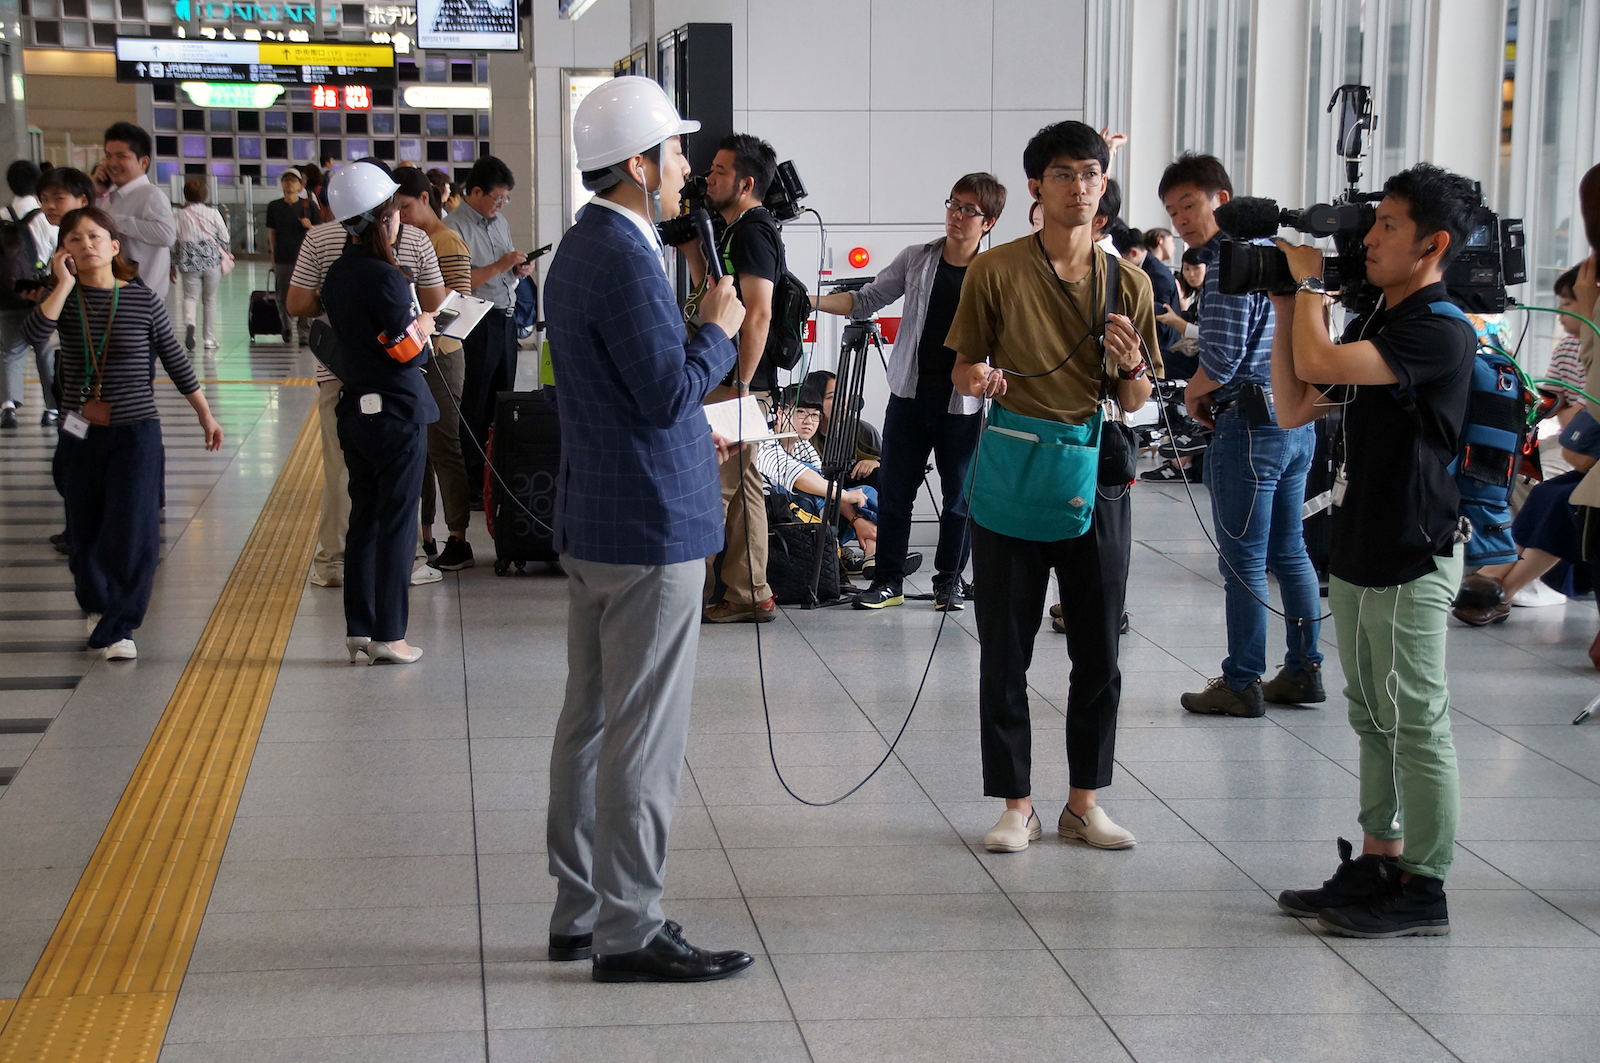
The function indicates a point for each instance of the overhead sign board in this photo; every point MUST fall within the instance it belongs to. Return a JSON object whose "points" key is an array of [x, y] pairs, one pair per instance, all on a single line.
{"points": [[254, 62], [478, 25]]}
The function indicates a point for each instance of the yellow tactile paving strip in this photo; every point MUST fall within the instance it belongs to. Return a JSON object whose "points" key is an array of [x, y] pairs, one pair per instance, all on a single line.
{"points": [[104, 988]]}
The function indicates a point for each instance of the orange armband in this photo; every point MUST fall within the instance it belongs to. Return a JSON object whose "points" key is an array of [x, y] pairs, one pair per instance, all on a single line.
{"points": [[407, 346]]}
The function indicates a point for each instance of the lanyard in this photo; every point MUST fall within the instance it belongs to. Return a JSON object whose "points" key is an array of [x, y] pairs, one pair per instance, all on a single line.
{"points": [[93, 363]]}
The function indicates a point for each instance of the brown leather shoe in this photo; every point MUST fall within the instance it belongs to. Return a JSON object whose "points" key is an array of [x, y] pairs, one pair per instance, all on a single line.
{"points": [[1481, 600], [726, 612]]}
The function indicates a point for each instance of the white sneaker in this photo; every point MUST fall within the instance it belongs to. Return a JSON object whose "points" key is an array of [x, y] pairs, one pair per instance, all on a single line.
{"points": [[1013, 833], [318, 579], [425, 573], [1095, 829], [91, 622], [121, 650], [1537, 595]]}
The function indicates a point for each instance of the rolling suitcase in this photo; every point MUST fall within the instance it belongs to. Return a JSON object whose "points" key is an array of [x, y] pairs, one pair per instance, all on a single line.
{"points": [[519, 479], [263, 319]]}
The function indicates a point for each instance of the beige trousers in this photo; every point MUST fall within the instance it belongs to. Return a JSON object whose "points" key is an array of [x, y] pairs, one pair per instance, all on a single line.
{"points": [[744, 572]]}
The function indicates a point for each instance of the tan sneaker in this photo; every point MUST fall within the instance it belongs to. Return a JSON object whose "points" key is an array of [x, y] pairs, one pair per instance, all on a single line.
{"points": [[1095, 829], [1013, 833]]}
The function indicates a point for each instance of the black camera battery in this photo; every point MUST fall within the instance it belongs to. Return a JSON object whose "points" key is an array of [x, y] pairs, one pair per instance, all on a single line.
{"points": [[1254, 406]]}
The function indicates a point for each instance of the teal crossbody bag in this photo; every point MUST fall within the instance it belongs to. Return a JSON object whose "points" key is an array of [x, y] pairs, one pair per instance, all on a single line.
{"points": [[1035, 479]]}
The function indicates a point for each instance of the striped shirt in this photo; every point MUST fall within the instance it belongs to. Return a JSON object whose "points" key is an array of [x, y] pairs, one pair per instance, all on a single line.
{"points": [[1566, 366], [455, 263], [140, 333], [1235, 334], [781, 468], [325, 243]]}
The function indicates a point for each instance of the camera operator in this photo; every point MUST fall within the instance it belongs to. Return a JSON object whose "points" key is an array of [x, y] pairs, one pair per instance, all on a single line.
{"points": [[752, 252], [1405, 372], [1255, 470]]}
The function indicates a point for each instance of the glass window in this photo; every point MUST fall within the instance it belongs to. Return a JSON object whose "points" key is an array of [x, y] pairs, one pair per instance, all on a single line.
{"points": [[435, 68], [303, 121], [222, 121], [354, 14], [357, 148], [410, 123], [75, 8], [461, 125], [483, 71], [383, 97], [410, 150], [331, 149], [383, 149], [222, 147], [222, 169], [463, 150], [304, 148], [355, 123], [194, 121], [166, 145], [75, 34], [249, 172], [166, 171], [438, 123], [483, 149], [249, 147], [277, 148], [406, 70], [133, 10], [158, 11], [102, 9], [194, 169], [382, 123], [276, 122], [166, 118], [164, 93], [249, 122], [194, 147], [461, 71], [275, 170], [328, 122], [483, 125], [105, 34], [298, 95], [438, 151]]}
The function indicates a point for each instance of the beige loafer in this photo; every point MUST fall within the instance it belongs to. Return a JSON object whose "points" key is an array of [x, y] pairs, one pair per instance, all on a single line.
{"points": [[1094, 829], [1013, 833]]}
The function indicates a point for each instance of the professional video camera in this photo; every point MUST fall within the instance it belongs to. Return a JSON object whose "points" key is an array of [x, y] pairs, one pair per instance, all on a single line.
{"points": [[785, 193], [782, 200], [1491, 258]]}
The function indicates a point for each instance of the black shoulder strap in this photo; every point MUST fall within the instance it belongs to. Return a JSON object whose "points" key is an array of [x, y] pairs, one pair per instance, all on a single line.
{"points": [[1113, 284]]}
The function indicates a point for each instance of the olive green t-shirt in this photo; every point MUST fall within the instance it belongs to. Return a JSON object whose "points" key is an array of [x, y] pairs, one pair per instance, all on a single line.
{"points": [[1014, 314]]}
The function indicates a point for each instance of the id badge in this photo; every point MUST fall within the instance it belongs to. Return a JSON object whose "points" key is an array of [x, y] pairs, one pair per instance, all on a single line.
{"points": [[97, 411], [371, 403], [1340, 486], [74, 425]]}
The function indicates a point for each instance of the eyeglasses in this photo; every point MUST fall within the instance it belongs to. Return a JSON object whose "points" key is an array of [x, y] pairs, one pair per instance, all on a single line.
{"points": [[966, 210], [806, 413], [1086, 178]]}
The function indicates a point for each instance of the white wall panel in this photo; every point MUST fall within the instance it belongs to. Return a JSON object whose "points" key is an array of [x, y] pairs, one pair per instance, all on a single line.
{"points": [[816, 56], [831, 149], [1011, 132], [917, 156], [552, 37], [670, 14], [932, 54], [1038, 54], [600, 37]]}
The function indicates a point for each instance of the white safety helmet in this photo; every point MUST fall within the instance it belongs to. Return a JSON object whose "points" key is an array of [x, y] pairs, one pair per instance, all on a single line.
{"points": [[355, 191], [622, 118]]}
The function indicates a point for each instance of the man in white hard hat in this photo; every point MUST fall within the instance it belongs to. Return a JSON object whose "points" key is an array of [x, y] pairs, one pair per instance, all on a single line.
{"points": [[638, 510]]}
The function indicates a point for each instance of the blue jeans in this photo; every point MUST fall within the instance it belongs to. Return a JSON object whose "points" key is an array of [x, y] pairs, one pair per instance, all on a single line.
{"points": [[1257, 479], [813, 504], [913, 428]]}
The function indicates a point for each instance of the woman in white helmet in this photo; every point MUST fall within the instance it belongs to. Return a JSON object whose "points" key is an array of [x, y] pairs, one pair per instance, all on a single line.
{"points": [[638, 510], [383, 412]]}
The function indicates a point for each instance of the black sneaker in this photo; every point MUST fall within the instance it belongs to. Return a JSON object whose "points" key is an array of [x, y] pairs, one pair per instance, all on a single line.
{"points": [[8, 418], [879, 596], [1355, 881], [1412, 906], [456, 555], [1184, 442], [1219, 699], [48, 418], [188, 337], [1168, 472], [947, 595], [431, 548], [869, 567], [1287, 688], [59, 542]]}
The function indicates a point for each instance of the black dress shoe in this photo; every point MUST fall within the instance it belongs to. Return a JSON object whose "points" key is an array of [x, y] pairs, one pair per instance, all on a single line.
{"points": [[669, 958], [571, 946]]}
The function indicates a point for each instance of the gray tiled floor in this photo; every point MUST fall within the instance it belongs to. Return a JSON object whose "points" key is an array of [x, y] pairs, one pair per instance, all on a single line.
{"points": [[384, 893]]}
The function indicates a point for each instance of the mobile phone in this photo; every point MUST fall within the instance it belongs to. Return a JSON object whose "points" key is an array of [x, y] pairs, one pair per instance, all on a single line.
{"points": [[535, 254]]}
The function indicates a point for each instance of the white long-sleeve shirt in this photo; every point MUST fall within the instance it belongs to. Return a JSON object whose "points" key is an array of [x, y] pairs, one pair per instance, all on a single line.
{"points": [[147, 228], [44, 234]]}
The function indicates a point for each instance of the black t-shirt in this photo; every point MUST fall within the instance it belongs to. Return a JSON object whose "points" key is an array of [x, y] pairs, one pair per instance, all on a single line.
{"points": [[1401, 504], [754, 247], [283, 218], [935, 361], [1164, 289]]}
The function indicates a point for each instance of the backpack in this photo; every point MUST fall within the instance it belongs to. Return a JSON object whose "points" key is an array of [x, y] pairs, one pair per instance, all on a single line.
{"points": [[1493, 441], [19, 259], [791, 306], [526, 314]]}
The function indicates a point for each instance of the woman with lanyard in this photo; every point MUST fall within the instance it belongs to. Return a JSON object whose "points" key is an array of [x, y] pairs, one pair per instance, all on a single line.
{"points": [[383, 412], [108, 464]]}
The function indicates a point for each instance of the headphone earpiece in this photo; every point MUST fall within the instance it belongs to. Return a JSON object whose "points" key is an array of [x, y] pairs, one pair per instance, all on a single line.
{"points": [[1432, 248]]}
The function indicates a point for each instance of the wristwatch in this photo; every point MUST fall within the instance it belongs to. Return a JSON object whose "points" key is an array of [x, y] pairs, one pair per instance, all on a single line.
{"points": [[1310, 284], [1134, 374]]}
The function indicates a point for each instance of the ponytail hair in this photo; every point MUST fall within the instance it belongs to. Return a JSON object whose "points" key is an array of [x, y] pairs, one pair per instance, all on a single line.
{"points": [[121, 268]]}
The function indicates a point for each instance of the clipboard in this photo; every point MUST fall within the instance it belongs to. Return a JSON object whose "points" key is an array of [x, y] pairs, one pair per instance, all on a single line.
{"points": [[459, 314], [727, 417]]}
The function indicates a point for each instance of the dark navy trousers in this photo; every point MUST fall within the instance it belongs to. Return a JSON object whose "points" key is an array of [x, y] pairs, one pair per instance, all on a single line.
{"points": [[490, 354], [111, 481], [912, 429], [385, 456]]}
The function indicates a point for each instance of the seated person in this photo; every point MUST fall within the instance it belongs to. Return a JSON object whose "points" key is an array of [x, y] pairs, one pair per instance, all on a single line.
{"points": [[1545, 529], [792, 468], [1184, 451], [818, 387]]}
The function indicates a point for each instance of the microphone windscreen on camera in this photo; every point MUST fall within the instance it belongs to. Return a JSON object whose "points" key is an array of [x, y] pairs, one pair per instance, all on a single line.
{"points": [[1249, 217]]}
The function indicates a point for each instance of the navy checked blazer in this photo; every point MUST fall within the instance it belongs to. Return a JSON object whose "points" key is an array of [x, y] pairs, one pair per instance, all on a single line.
{"points": [[638, 482]]}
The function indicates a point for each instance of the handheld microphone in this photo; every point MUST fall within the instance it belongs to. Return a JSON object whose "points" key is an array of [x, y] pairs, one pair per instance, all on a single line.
{"points": [[1249, 217], [708, 243]]}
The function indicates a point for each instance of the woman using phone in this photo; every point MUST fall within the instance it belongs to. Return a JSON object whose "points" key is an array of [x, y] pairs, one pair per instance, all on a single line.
{"points": [[109, 461], [383, 412]]}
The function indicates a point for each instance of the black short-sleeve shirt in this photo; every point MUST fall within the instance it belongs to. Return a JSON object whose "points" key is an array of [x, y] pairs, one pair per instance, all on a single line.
{"points": [[754, 247], [935, 361], [283, 218], [1401, 505]]}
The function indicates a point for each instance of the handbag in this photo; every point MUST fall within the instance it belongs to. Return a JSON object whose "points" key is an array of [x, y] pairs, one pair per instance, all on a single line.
{"points": [[1035, 479], [1118, 449], [227, 263]]}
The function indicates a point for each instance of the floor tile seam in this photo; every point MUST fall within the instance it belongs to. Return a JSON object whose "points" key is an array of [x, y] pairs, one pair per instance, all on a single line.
{"points": [[1538, 753], [1467, 846], [766, 950], [472, 794]]}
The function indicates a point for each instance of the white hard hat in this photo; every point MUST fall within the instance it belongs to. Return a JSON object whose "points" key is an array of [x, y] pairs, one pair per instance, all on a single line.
{"points": [[354, 191], [622, 118]]}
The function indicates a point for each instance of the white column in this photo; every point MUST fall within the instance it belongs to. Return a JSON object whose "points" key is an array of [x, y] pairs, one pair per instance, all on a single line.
{"points": [[1152, 108], [511, 137], [1461, 122], [1280, 36]]}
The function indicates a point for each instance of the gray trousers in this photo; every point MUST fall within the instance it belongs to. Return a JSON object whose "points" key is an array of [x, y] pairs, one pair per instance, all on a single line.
{"points": [[14, 354], [632, 633]]}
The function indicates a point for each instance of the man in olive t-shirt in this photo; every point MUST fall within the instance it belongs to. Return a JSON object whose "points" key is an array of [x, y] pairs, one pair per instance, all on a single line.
{"points": [[1027, 335]]}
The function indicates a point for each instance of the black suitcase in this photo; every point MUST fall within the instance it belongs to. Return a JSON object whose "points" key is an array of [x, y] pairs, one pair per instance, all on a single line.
{"points": [[519, 481], [1319, 487], [263, 319]]}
